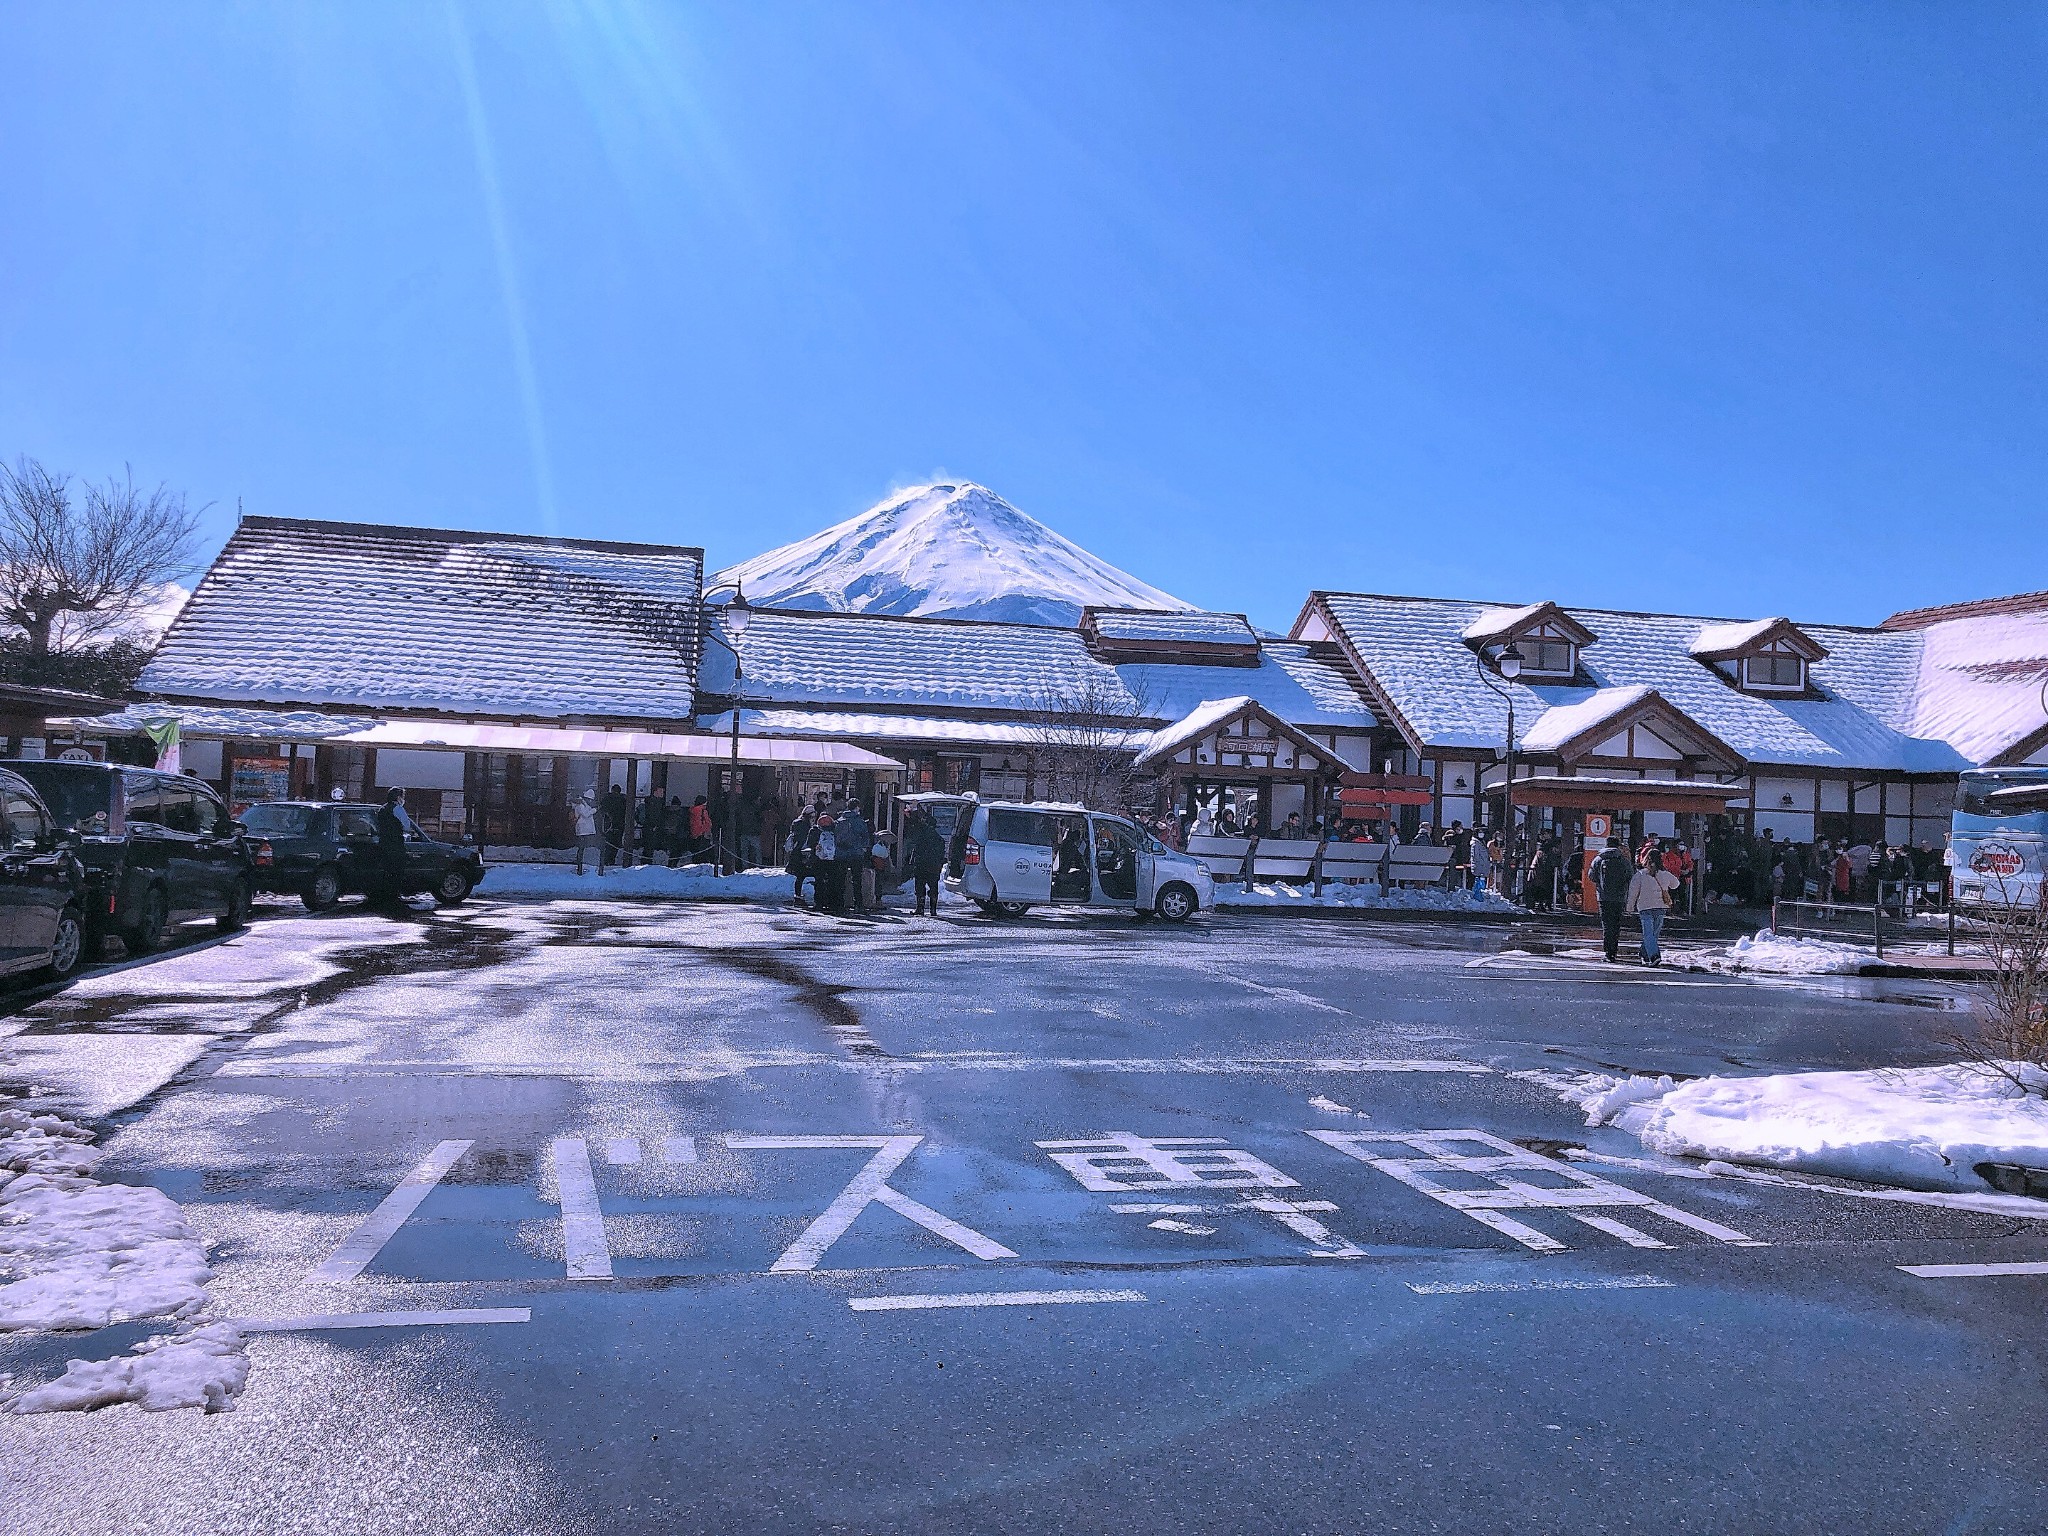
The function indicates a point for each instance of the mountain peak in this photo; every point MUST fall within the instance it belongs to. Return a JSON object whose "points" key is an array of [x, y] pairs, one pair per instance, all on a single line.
{"points": [[955, 549]]}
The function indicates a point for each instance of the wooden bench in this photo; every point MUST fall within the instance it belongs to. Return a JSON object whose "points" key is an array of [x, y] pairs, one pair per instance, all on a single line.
{"points": [[1222, 856], [1353, 861], [1290, 859], [1421, 865]]}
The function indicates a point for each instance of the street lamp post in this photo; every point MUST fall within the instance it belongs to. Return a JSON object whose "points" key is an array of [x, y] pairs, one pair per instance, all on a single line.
{"points": [[737, 613], [1510, 662]]}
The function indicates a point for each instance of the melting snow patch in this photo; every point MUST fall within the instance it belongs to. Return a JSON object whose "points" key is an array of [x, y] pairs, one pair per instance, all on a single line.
{"points": [[1769, 954], [202, 1367], [1338, 896], [1923, 1128]]}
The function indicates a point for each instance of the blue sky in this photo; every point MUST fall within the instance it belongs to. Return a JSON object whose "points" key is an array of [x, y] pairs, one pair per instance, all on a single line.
{"points": [[1734, 309]]}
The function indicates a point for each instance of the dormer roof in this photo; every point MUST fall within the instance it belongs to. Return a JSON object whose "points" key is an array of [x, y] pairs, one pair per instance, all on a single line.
{"points": [[1497, 626], [1726, 642], [1155, 634]]}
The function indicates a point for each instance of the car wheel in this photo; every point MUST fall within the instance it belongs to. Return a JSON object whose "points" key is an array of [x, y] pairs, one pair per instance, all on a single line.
{"points": [[325, 890], [67, 948], [1176, 903], [146, 934], [1013, 908], [451, 888], [237, 913]]}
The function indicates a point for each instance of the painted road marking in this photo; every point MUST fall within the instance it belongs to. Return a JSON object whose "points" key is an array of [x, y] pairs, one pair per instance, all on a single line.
{"points": [[679, 1149], [986, 1299], [1123, 1162], [583, 1242], [1971, 1271], [693, 1068], [442, 1319], [1502, 1174], [622, 1151], [1486, 1287], [869, 1187], [368, 1240]]}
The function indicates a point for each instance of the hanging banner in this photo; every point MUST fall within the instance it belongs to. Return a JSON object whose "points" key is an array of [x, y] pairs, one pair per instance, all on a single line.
{"points": [[164, 733]]}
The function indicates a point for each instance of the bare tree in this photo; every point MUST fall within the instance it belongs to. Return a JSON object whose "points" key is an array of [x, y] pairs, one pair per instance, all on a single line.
{"points": [[1081, 731], [2010, 1038], [75, 565]]}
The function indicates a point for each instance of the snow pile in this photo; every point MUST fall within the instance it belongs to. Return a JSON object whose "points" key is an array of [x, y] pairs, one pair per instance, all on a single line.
{"points": [[555, 882], [203, 1367], [1924, 1127], [1771, 955], [86, 1254], [1338, 896], [958, 550]]}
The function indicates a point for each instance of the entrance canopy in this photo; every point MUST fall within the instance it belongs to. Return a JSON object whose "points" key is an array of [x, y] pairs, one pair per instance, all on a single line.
{"points": [[199, 722], [1585, 792]]}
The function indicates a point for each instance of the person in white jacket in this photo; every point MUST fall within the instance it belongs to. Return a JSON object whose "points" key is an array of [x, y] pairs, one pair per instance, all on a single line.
{"points": [[1649, 897], [587, 839]]}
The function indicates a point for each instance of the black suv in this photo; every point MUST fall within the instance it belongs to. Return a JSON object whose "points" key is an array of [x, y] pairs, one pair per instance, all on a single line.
{"points": [[42, 887], [322, 850], [158, 848]]}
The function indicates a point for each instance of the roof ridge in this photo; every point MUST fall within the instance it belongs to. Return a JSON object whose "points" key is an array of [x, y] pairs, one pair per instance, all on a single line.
{"points": [[1617, 613], [459, 535], [1981, 607]]}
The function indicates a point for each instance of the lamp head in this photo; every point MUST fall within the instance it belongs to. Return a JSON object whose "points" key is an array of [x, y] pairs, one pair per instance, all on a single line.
{"points": [[1510, 659], [738, 613]]}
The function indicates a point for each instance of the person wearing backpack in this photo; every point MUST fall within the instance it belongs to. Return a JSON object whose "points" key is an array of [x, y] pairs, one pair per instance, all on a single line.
{"points": [[1649, 897], [828, 875], [856, 852], [1611, 875]]}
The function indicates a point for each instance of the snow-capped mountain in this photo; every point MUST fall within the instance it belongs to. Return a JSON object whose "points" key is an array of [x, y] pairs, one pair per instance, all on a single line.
{"points": [[957, 550]]}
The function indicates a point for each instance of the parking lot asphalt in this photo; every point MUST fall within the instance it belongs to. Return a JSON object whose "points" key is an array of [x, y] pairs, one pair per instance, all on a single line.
{"points": [[610, 1217]]}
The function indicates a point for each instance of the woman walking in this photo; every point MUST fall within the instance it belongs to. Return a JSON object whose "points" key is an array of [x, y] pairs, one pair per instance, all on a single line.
{"points": [[1649, 897]]}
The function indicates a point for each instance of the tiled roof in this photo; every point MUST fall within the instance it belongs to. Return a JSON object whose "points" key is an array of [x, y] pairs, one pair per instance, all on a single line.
{"points": [[1415, 649], [351, 616], [1147, 626], [865, 661], [1980, 680], [1562, 723]]}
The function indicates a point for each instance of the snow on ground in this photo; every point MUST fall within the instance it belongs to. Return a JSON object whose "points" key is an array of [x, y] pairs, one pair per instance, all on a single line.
{"points": [[1341, 897], [1769, 954], [1921, 1127], [202, 1367], [690, 882]]}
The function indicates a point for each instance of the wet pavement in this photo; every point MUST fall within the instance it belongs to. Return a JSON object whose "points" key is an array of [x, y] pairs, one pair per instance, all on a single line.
{"points": [[719, 1218]]}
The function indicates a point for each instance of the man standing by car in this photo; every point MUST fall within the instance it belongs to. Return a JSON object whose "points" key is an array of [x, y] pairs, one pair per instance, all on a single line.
{"points": [[924, 855], [855, 845], [1611, 876], [392, 824]]}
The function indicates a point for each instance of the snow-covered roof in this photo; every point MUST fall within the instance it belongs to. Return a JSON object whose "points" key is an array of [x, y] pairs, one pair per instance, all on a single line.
{"points": [[1980, 678], [1416, 651], [1150, 627], [864, 662], [1200, 720], [227, 722], [1718, 642], [352, 616], [957, 549], [935, 730], [1497, 623], [1567, 722]]}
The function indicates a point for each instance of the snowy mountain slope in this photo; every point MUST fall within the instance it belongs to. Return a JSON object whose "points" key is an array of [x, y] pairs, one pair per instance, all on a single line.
{"points": [[958, 550]]}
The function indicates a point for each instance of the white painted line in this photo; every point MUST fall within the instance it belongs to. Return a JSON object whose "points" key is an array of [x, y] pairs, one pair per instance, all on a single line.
{"points": [[986, 1299], [679, 1149], [583, 1240], [1488, 1287], [368, 1240], [1620, 1229], [319, 1320], [622, 1151], [1971, 1271]]}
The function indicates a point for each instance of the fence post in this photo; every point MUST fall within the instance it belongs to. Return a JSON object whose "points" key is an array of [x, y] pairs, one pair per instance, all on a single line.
{"points": [[1877, 919], [1774, 914], [1951, 927]]}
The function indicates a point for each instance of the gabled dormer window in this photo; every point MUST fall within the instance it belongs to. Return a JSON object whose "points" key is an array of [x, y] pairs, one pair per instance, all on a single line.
{"points": [[1767, 656], [1774, 672], [1547, 654], [1545, 638]]}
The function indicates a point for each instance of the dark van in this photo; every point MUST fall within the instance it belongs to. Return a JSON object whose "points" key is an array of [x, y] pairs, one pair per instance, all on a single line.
{"points": [[159, 849], [42, 887]]}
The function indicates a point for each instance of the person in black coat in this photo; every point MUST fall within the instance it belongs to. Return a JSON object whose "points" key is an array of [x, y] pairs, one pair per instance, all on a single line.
{"points": [[1612, 873], [924, 855], [612, 812], [391, 828]]}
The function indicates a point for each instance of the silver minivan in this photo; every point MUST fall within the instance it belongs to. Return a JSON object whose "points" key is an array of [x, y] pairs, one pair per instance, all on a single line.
{"points": [[1017, 855]]}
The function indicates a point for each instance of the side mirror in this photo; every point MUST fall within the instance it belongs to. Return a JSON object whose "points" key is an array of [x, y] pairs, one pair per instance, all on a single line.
{"points": [[65, 840], [241, 827]]}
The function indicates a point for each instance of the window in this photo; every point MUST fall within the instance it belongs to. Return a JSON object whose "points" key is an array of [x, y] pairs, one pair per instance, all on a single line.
{"points": [[1031, 829], [278, 820], [181, 809], [26, 829], [140, 802], [1547, 658], [213, 815], [1774, 671], [356, 823]]}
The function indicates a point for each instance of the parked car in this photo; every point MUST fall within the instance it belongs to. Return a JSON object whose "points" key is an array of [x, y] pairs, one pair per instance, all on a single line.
{"points": [[322, 850], [159, 849], [42, 887], [1018, 855]]}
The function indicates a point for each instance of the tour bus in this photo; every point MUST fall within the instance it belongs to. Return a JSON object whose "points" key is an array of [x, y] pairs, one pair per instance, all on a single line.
{"points": [[1017, 855], [1998, 836]]}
